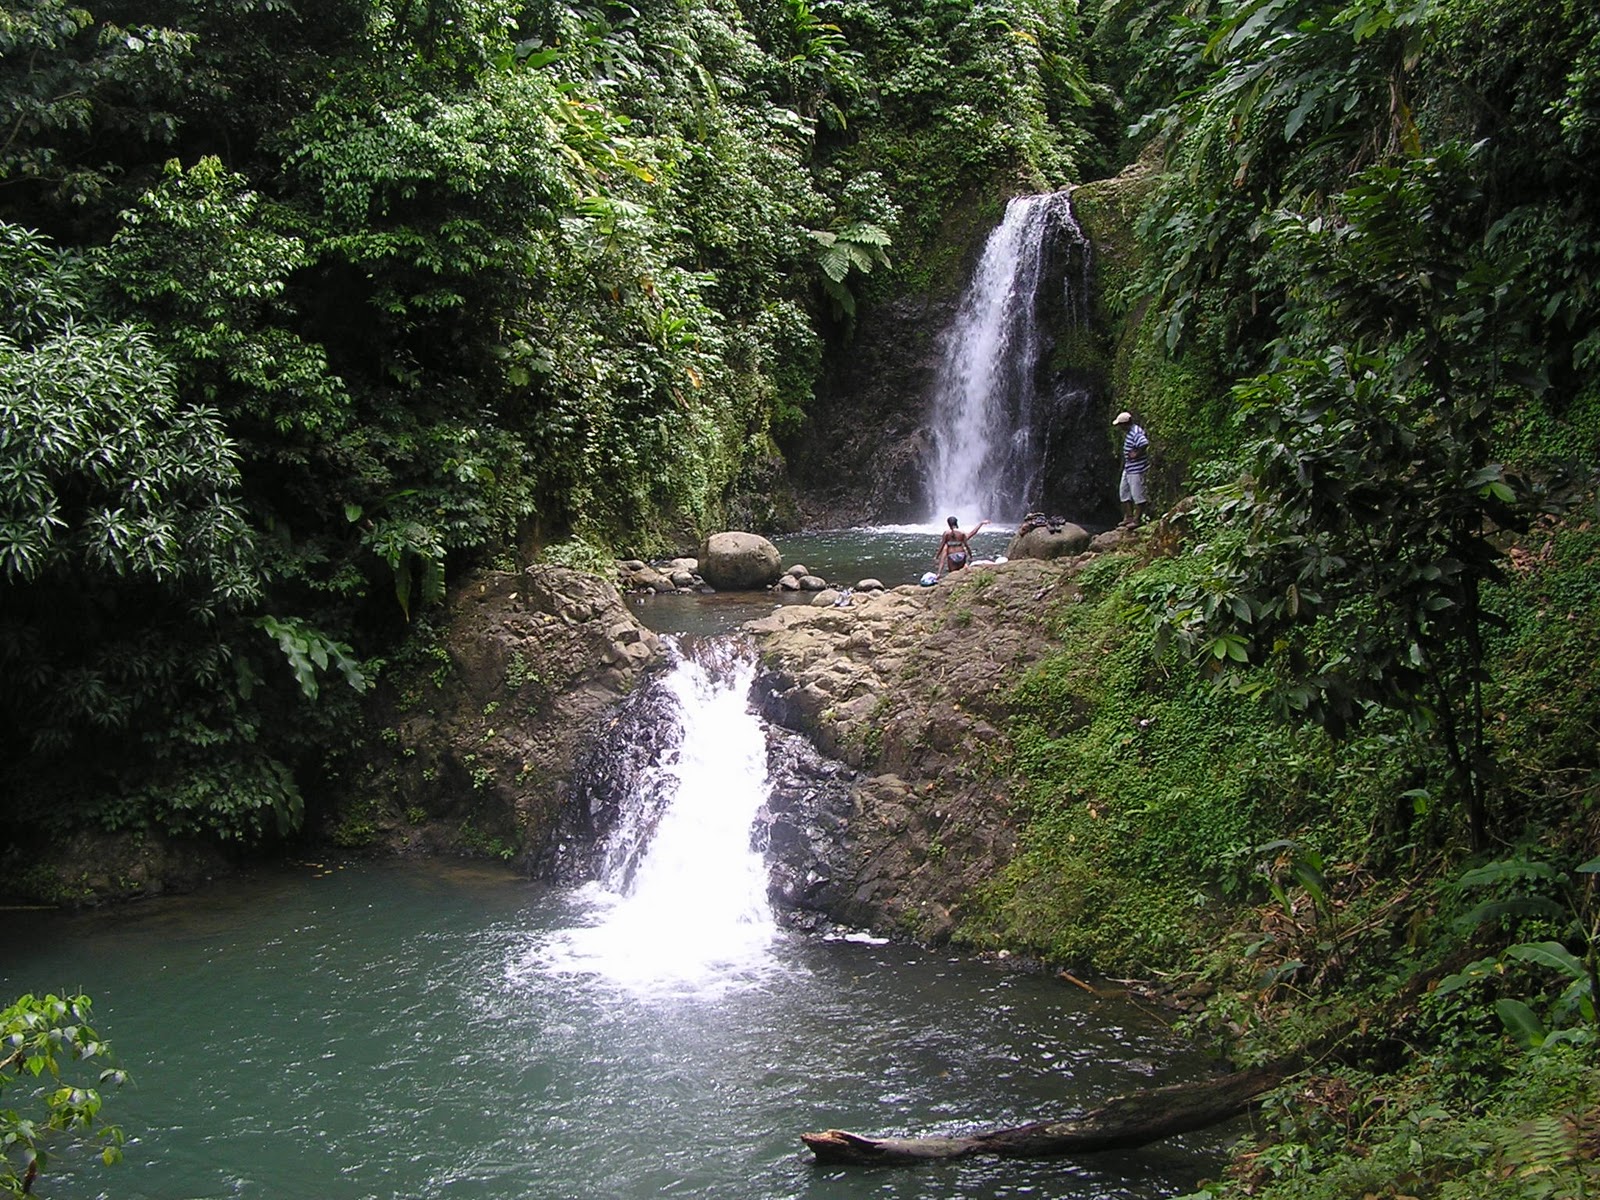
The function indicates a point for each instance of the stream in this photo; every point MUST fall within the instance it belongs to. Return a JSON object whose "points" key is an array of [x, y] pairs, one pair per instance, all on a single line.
{"points": [[357, 1031]]}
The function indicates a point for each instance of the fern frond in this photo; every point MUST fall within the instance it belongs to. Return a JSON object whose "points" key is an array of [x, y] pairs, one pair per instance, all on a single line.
{"points": [[1544, 1141], [867, 234], [836, 263]]}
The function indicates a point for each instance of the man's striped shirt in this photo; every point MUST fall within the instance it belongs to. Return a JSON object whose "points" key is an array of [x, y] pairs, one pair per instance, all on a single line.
{"points": [[1135, 439]]}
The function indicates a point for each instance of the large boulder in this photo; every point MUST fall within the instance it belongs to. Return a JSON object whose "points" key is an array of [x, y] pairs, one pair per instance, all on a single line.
{"points": [[1055, 540], [737, 562]]}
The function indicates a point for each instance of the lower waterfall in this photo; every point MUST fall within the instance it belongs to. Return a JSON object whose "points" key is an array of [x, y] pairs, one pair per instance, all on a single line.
{"points": [[681, 902]]}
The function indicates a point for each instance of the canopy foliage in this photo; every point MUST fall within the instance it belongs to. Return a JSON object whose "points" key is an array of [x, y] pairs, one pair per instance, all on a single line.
{"points": [[311, 307]]}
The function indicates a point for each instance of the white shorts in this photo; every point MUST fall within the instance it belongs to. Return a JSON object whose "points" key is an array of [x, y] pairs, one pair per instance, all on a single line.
{"points": [[1132, 487]]}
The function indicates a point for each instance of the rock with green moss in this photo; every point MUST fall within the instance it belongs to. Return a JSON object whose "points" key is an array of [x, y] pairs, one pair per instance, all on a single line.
{"points": [[1055, 540], [479, 739], [908, 689]]}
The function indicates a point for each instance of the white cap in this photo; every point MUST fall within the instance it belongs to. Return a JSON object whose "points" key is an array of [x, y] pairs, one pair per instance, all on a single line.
{"points": [[1123, 418]]}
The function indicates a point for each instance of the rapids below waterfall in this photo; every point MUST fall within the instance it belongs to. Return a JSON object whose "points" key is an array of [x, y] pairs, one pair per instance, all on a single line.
{"points": [[681, 902], [389, 1030]]}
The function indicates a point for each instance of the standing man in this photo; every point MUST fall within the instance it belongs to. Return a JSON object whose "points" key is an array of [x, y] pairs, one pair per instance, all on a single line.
{"points": [[1135, 463]]}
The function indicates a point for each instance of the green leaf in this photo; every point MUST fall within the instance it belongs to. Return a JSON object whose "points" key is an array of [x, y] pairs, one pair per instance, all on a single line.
{"points": [[307, 651], [1521, 1023], [1550, 954], [1573, 1036], [1507, 870], [835, 262], [1484, 968], [1497, 910], [402, 583], [433, 581]]}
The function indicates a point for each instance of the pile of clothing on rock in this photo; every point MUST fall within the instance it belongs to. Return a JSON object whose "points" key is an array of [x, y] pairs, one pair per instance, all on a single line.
{"points": [[1036, 520]]}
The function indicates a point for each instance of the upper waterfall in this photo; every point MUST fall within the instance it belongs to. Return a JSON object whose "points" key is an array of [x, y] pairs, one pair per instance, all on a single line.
{"points": [[988, 458]]}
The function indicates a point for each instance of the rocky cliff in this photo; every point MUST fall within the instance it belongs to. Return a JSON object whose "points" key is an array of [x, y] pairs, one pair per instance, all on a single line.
{"points": [[861, 456], [892, 793], [477, 742], [906, 694]]}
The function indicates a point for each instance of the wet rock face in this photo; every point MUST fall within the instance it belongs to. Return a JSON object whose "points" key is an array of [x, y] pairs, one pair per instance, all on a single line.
{"points": [[803, 829], [904, 692], [92, 867], [476, 748], [611, 773], [863, 455], [860, 457]]}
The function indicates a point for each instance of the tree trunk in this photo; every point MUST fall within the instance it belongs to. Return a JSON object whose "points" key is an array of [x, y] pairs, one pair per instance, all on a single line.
{"points": [[1123, 1123]]}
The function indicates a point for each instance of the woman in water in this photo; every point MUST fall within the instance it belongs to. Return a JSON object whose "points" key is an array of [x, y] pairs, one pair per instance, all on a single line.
{"points": [[954, 551]]}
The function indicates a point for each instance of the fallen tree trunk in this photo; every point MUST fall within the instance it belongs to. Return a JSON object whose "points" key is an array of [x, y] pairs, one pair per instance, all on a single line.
{"points": [[1142, 1117], [1121, 1124]]}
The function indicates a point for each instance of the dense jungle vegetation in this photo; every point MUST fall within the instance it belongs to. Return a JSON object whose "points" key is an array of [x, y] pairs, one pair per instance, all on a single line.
{"points": [[309, 308], [1366, 325]]}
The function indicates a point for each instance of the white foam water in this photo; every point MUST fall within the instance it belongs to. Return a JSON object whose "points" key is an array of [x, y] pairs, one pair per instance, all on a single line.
{"points": [[692, 915]]}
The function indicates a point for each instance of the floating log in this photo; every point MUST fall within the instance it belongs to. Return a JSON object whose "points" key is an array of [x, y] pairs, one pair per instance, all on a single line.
{"points": [[1123, 1123]]}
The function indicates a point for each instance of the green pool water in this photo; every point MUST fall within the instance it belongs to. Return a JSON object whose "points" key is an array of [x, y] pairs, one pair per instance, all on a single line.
{"points": [[416, 1030]]}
